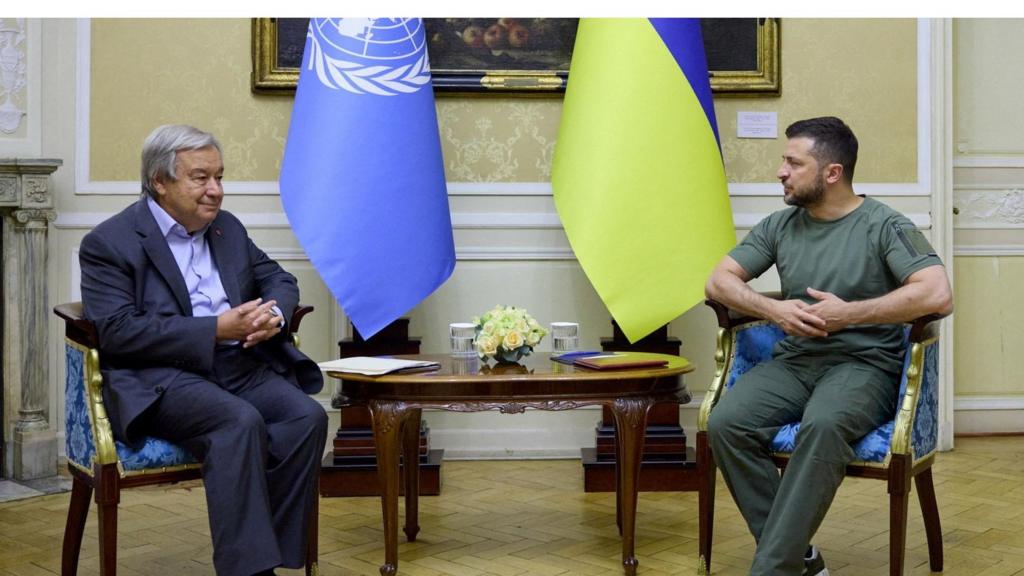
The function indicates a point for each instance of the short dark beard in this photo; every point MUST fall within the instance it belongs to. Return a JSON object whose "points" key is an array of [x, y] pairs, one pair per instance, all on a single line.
{"points": [[808, 196]]}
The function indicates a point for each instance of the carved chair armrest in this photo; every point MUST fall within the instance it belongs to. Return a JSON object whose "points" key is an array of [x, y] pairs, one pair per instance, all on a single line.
{"points": [[924, 333], [76, 327], [925, 328], [723, 353], [293, 325], [729, 318]]}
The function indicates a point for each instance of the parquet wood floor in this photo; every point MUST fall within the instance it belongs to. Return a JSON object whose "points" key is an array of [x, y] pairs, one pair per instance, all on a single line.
{"points": [[512, 518]]}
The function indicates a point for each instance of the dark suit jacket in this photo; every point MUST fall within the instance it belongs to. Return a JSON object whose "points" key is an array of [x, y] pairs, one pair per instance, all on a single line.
{"points": [[134, 292]]}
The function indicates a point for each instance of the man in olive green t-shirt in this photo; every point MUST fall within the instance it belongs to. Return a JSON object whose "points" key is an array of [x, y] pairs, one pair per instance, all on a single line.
{"points": [[852, 270]]}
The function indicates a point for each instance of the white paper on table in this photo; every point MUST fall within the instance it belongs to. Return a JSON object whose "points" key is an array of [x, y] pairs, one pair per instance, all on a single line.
{"points": [[375, 366]]}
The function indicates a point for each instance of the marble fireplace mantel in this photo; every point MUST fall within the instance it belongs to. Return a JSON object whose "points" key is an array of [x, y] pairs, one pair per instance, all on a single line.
{"points": [[26, 205]]}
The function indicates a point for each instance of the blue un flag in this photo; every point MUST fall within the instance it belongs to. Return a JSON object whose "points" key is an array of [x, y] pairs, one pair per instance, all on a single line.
{"points": [[362, 180]]}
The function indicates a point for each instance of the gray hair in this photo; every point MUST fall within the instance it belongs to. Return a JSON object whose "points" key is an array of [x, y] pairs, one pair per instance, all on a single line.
{"points": [[160, 152]]}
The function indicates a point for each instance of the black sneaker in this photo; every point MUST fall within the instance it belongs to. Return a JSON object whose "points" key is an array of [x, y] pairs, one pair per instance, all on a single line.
{"points": [[814, 564]]}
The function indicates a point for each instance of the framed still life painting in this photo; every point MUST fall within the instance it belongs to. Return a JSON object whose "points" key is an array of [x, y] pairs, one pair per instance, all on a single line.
{"points": [[527, 55]]}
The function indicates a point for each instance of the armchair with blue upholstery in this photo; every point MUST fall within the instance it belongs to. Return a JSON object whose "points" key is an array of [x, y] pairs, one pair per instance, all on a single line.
{"points": [[99, 463], [901, 449]]}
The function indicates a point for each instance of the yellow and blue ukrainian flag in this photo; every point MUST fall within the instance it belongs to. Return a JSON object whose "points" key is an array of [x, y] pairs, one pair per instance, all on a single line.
{"points": [[362, 180], [638, 177]]}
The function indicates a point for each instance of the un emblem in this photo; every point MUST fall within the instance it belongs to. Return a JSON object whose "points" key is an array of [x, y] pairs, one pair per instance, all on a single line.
{"points": [[382, 56]]}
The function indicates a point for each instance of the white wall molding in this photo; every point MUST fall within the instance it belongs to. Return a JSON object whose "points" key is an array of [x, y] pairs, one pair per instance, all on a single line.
{"points": [[133, 188], [79, 220], [286, 254], [989, 161], [981, 225], [995, 207], [988, 187], [280, 254], [989, 250], [873, 189], [497, 189], [460, 220], [989, 403], [463, 253], [89, 220], [989, 414], [736, 190], [506, 220], [75, 289], [747, 220], [935, 124], [14, 82]]}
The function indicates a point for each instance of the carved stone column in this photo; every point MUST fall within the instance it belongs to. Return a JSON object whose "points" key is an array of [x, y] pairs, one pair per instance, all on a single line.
{"points": [[27, 206]]}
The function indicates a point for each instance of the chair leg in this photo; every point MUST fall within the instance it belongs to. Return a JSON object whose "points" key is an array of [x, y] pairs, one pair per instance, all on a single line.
{"points": [[78, 511], [930, 512], [899, 498], [705, 501], [108, 496]]}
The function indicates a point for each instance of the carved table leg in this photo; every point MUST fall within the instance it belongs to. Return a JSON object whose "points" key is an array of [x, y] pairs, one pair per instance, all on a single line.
{"points": [[631, 426], [387, 424], [411, 471], [618, 486]]}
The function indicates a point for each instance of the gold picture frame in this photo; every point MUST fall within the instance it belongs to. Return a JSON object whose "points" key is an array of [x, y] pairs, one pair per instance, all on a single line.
{"points": [[743, 54], [763, 78]]}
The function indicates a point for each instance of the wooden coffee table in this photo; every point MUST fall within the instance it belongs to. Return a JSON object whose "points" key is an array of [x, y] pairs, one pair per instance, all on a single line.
{"points": [[395, 402]]}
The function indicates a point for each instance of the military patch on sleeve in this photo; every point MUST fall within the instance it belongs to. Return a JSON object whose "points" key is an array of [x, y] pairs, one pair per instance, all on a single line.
{"points": [[913, 240]]}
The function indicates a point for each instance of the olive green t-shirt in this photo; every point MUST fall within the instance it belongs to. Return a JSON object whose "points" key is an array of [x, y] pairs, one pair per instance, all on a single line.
{"points": [[865, 254]]}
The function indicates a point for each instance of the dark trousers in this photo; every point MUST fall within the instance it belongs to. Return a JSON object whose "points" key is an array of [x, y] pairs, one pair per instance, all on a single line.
{"points": [[837, 400], [260, 439]]}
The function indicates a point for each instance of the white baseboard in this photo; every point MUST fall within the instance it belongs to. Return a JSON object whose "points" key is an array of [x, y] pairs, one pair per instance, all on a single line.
{"points": [[981, 422], [984, 403], [988, 415]]}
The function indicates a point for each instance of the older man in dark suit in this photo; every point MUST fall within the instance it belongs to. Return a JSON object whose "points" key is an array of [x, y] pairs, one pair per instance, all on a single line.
{"points": [[189, 314]]}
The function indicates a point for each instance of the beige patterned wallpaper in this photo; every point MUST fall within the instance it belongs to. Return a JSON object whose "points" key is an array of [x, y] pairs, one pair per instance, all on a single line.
{"points": [[148, 72], [499, 139], [151, 72], [862, 70]]}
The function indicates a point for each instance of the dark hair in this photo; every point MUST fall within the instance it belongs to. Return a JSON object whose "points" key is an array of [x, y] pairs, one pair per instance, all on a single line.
{"points": [[834, 142]]}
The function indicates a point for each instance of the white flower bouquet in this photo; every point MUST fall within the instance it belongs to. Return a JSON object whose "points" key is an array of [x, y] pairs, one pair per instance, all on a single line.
{"points": [[506, 333]]}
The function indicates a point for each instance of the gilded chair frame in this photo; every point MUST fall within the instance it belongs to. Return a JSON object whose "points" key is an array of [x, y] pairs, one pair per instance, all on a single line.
{"points": [[899, 466]]}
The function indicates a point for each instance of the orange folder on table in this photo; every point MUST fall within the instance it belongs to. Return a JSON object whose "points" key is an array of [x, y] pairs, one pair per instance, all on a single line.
{"points": [[619, 361]]}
